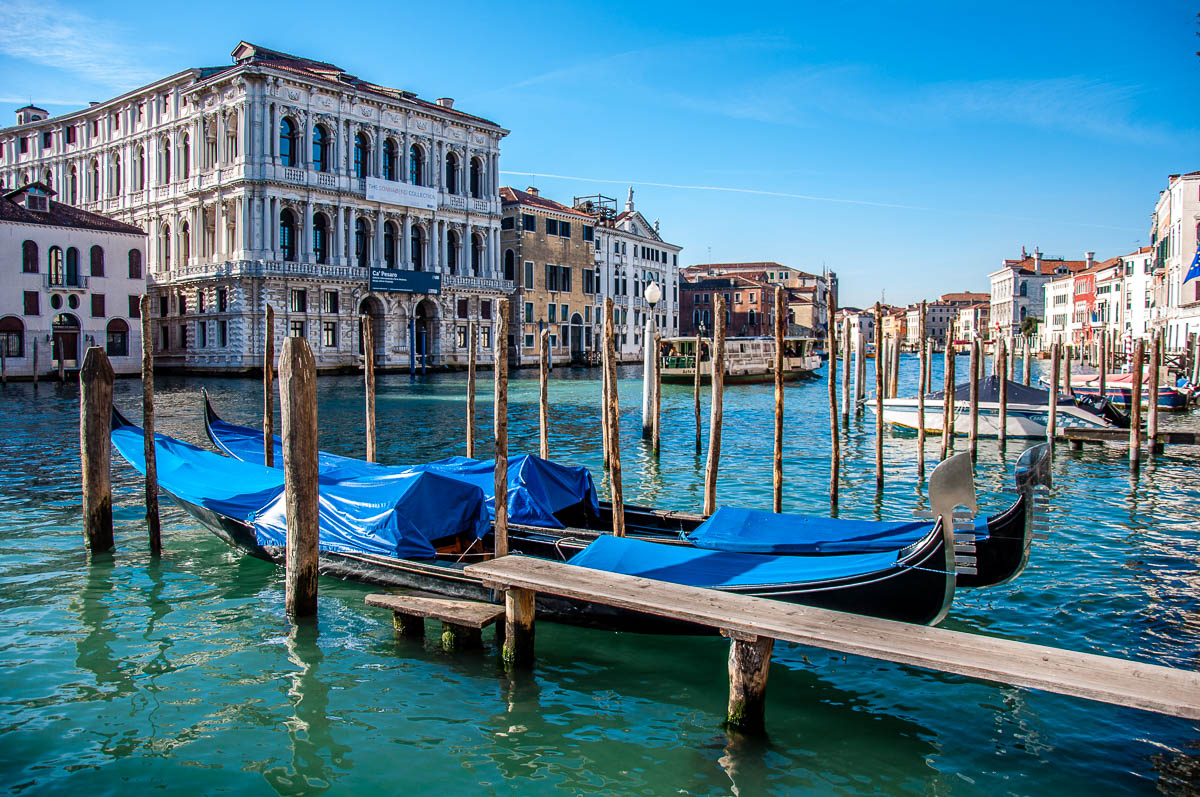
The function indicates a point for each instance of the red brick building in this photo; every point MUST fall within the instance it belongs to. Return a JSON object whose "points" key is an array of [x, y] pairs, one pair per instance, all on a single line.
{"points": [[749, 302]]}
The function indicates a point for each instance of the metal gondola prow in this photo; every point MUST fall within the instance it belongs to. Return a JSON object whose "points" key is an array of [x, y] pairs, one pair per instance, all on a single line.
{"points": [[951, 486]]}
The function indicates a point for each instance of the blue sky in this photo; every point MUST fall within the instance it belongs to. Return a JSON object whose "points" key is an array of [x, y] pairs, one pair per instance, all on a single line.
{"points": [[909, 147]]}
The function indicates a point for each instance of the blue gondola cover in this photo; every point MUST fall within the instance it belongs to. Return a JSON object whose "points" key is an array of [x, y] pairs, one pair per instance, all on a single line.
{"points": [[753, 531]]}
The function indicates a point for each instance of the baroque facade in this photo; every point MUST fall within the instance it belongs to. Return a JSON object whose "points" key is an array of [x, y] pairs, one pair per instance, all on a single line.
{"points": [[287, 181]]}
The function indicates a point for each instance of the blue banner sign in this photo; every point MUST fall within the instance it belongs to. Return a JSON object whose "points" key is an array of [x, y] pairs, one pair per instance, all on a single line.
{"points": [[397, 280]]}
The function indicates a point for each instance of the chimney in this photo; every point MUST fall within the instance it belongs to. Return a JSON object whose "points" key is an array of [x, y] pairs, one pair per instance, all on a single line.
{"points": [[532, 190], [1091, 258], [445, 102], [1037, 260]]}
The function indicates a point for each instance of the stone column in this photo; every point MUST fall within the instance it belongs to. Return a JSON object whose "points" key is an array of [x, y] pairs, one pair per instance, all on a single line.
{"points": [[444, 240], [377, 255], [406, 244], [403, 159], [305, 248], [435, 263], [348, 227]]}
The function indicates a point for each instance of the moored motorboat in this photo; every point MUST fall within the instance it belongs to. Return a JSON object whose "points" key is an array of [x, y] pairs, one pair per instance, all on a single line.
{"points": [[1119, 387], [749, 359]]}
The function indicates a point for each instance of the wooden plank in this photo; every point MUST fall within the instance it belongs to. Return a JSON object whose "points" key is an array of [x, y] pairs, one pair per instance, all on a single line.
{"points": [[1118, 681], [472, 614], [1173, 437]]}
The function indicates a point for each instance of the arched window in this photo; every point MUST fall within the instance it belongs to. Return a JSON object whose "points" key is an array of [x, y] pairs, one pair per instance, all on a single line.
{"points": [[164, 175], [72, 276], [135, 264], [114, 188], [707, 320], [287, 234], [418, 250], [116, 338], [389, 244], [29, 257], [288, 149], [452, 172], [185, 243], [320, 158], [96, 258], [510, 265], [1023, 312], [452, 246], [139, 169], [750, 318], [696, 319], [54, 266], [12, 336], [416, 175], [476, 178], [94, 181], [362, 242], [321, 238], [231, 138], [73, 187], [185, 157], [48, 178], [476, 255], [164, 247], [389, 160], [362, 149], [1024, 288]]}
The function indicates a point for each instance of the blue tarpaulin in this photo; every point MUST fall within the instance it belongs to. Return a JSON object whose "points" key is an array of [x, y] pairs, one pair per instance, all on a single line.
{"points": [[537, 488], [390, 514], [679, 564], [751, 531]]}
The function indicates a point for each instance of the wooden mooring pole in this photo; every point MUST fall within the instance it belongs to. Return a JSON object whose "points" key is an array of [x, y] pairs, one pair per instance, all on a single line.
{"points": [[749, 666], [777, 460], [860, 371], [896, 349], [61, 369], [948, 400], [35, 362], [974, 397], [268, 389], [922, 389], [656, 398], [3, 368], [1152, 391], [696, 395], [1135, 403], [1005, 376], [835, 454], [878, 397], [544, 394], [473, 334], [613, 411], [1104, 351], [153, 527], [519, 615], [369, 383], [500, 482], [298, 416], [716, 414], [1052, 422], [95, 448], [846, 370], [1027, 361], [605, 393], [1066, 370]]}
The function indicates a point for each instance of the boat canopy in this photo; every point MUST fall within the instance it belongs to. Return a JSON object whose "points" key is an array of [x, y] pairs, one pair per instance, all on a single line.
{"points": [[537, 488], [680, 564], [989, 391], [390, 514], [752, 531]]}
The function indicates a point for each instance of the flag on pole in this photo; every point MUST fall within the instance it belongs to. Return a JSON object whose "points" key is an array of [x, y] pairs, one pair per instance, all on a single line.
{"points": [[1194, 271]]}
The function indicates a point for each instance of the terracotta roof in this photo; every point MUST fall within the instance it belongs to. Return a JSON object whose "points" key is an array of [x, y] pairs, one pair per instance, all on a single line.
{"points": [[1026, 265], [764, 265], [512, 196], [968, 297], [731, 281], [12, 208]]}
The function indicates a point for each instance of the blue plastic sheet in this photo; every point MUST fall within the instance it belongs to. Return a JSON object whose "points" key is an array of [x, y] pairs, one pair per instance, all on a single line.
{"points": [[537, 488], [699, 568], [390, 514], [751, 531]]}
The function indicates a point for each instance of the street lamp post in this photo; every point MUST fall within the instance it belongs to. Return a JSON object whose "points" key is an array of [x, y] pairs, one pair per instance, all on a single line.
{"points": [[652, 293]]}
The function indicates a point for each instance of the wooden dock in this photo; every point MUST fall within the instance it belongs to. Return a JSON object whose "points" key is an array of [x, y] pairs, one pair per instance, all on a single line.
{"points": [[1077, 437], [751, 621]]}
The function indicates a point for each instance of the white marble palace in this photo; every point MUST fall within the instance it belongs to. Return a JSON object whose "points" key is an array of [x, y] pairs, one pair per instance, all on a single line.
{"points": [[287, 181]]}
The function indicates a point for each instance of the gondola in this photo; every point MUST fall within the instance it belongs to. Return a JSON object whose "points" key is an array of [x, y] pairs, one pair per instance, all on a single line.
{"points": [[419, 529], [993, 550]]}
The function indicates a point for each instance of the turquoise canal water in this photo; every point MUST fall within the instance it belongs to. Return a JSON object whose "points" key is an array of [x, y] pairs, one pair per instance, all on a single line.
{"points": [[122, 673]]}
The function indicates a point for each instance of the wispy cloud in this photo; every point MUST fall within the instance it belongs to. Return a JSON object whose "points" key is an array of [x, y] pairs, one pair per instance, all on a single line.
{"points": [[811, 198], [48, 34]]}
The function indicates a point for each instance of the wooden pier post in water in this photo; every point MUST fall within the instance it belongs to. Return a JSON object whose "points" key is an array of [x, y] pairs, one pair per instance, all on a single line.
{"points": [[860, 371], [473, 334], [777, 459], [749, 666], [948, 399], [1066, 370], [3, 368], [1005, 376], [878, 397], [974, 396], [1027, 361], [35, 363], [1052, 421], [1103, 365], [613, 411], [153, 527], [61, 375], [605, 391], [835, 454], [298, 416], [656, 398], [696, 394], [1135, 403], [95, 448], [717, 409], [268, 389], [846, 370], [922, 389], [500, 483], [519, 613], [369, 383], [896, 350], [544, 394], [1152, 391]]}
